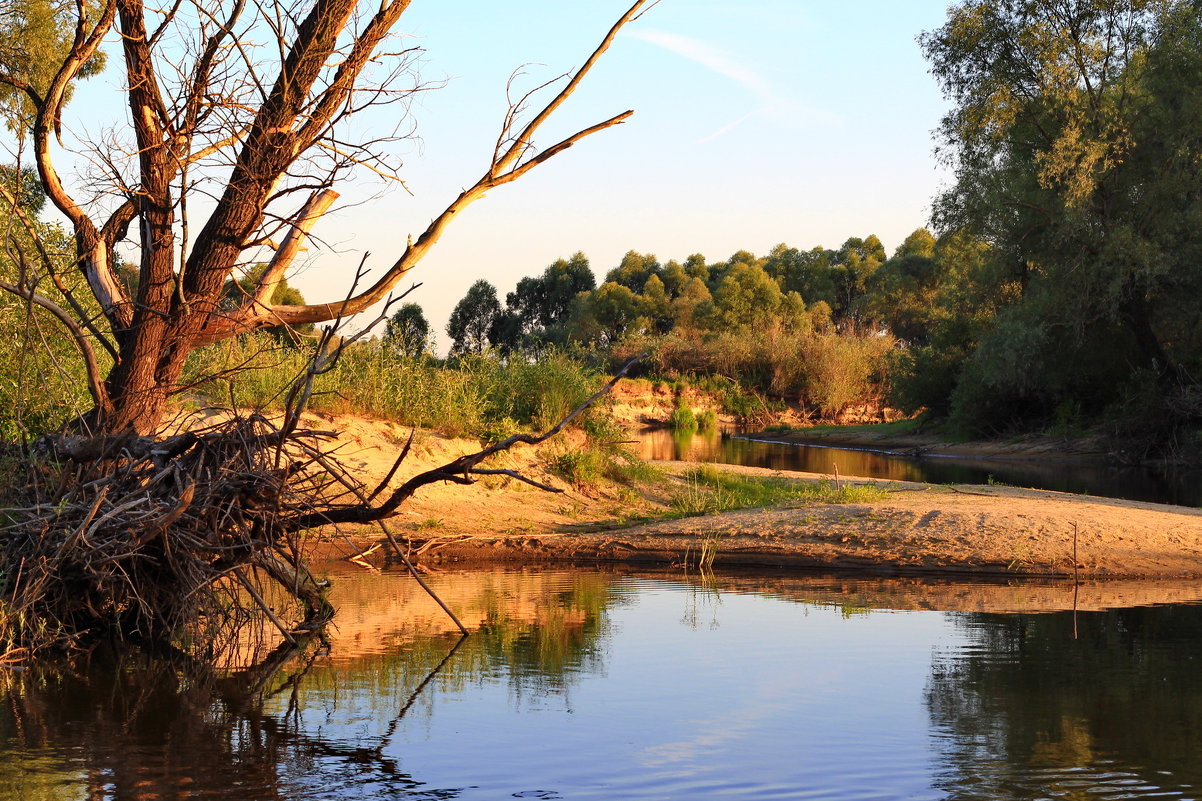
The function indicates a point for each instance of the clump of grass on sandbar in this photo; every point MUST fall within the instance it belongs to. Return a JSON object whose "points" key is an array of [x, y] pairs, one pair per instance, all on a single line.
{"points": [[708, 490]]}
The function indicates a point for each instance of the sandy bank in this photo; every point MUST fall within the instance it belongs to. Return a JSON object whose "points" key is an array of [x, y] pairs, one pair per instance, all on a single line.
{"points": [[914, 529]]}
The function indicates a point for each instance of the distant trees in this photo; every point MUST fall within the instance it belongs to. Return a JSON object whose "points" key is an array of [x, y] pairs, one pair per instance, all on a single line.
{"points": [[408, 332], [473, 319]]}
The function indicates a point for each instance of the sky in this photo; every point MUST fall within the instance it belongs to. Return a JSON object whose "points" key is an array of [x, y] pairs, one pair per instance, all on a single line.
{"points": [[758, 122]]}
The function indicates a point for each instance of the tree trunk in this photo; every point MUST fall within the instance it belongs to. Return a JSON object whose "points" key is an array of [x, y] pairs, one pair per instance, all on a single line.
{"points": [[1137, 316]]}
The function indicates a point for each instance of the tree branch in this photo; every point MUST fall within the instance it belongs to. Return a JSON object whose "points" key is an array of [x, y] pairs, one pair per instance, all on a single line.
{"points": [[92, 367], [457, 471], [503, 170], [308, 216]]}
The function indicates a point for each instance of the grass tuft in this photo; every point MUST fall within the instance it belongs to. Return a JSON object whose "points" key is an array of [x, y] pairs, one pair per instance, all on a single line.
{"points": [[708, 490]]}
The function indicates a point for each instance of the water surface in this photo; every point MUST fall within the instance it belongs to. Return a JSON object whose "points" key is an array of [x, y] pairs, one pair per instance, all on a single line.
{"points": [[587, 685], [1156, 484]]}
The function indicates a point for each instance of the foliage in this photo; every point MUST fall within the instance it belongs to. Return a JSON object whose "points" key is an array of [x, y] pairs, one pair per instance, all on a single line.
{"points": [[682, 419], [472, 321], [34, 34], [408, 331], [1076, 140], [479, 396], [42, 377], [539, 307]]}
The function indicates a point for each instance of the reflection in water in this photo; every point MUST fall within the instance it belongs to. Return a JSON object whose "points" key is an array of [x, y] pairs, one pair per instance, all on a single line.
{"points": [[1161, 485], [319, 724], [594, 686], [1024, 710]]}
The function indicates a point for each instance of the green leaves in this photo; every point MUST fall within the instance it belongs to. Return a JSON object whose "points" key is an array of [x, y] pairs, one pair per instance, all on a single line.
{"points": [[1075, 141]]}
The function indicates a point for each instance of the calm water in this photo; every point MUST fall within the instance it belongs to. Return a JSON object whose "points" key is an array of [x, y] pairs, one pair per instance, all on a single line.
{"points": [[1160, 485], [586, 685]]}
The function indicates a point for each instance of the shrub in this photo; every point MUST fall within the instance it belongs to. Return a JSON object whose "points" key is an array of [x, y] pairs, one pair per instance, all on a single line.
{"points": [[682, 419]]}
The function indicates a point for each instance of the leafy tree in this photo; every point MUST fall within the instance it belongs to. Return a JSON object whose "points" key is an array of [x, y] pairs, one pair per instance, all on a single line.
{"points": [[607, 314], [1076, 140], [696, 267], [525, 309], [686, 306], [853, 267], [902, 294], [473, 318], [634, 271], [408, 332], [675, 278], [657, 305], [35, 35], [807, 273], [538, 309], [745, 298], [920, 244], [539, 304], [564, 280]]}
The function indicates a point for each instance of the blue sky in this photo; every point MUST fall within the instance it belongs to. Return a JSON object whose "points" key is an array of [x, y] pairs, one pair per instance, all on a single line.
{"points": [[757, 122]]}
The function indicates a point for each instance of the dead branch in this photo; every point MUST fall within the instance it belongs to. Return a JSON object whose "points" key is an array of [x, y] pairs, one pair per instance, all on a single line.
{"points": [[457, 471]]}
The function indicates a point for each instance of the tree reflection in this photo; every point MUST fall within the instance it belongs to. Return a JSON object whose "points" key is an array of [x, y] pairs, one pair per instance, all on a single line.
{"points": [[1027, 710], [318, 721]]}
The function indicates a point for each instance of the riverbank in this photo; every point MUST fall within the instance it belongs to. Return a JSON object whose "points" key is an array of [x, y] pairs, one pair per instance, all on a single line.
{"points": [[911, 529]]}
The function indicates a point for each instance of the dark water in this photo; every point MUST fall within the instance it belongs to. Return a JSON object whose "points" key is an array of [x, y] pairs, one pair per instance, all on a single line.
{"points": [[1159, 485], [584, 685]]}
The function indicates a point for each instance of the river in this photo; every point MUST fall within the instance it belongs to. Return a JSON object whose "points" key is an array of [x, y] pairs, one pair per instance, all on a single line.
{"points": [[1156, 484], [615, 685]]}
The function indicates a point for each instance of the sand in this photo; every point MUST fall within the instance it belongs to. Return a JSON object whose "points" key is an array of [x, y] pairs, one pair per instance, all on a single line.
{"points": [[913, 529]]}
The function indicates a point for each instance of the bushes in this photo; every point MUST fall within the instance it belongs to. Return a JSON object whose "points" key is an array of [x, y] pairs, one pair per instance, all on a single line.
{"points": [[843, 370], [682, 419], [816, 366], [42, 379]]}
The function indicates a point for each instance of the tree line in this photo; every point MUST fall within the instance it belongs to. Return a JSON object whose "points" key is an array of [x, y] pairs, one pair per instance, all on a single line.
{"points": [[1062, 285]]}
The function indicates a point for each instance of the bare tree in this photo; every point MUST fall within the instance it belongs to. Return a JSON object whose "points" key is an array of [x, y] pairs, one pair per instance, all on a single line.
{"points": [[244, 107]]}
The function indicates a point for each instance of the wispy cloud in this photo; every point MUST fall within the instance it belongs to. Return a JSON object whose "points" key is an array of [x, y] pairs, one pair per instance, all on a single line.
{"points": [[769, 101]]}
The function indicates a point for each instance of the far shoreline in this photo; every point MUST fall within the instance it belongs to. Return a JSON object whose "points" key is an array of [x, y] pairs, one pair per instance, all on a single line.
{"points": [[888, 441]]}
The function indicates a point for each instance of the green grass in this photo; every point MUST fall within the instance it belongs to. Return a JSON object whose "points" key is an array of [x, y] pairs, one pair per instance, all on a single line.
{"points": [[482, 396], [708, 490], [596, 462]]}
